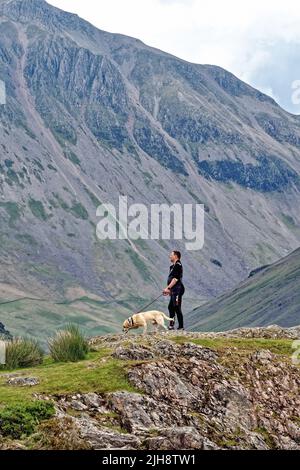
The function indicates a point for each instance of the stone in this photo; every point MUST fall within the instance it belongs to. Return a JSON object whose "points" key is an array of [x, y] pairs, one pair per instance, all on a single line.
{"points": [[23, 381], [103, 438]]}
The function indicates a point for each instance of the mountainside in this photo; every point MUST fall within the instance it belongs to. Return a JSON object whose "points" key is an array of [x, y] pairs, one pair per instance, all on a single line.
{"points": [[238, 390], [92, 115], [269, 296]]}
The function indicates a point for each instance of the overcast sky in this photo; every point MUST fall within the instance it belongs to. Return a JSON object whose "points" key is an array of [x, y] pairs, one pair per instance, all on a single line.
{"points": [[257, 40]]}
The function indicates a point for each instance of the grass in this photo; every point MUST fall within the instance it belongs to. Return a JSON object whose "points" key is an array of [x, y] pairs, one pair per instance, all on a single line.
{"points": [[72, 157], [90, 375], [276, 346], [37, 209], [79, 211], [22, 352], [17, 421], [13, 210], [69, 345]]}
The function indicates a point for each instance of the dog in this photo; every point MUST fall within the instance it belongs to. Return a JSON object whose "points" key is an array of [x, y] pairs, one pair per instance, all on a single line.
{"points": [[142, 319]]}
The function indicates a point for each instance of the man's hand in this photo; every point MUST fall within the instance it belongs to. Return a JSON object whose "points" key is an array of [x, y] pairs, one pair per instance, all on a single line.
{"points": [[166, 291]]}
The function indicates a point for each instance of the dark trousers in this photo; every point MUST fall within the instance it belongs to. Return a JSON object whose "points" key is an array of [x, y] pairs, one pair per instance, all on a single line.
{"points": [[175, 306]]}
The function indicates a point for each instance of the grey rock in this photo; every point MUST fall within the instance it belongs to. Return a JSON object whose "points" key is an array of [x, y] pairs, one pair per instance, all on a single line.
{"points": [[103, 438], [23, 381], [92, 400], [133, 353], [179, 438], [78, 405]]}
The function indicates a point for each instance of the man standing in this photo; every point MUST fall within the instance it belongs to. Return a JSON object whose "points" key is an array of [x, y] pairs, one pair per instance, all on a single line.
{"points": [[175, 290]]}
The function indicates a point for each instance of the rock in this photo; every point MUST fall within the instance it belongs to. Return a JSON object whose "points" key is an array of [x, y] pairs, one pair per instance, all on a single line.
{"points": [[234, 403], [264, 356], [140, 412], [78, 405], [103, 438], [23, 381], [161, 382], [133, 353], [179, 438], [92, 400]]}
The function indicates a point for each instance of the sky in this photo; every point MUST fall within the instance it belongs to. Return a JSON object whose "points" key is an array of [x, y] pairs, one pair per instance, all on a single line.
{"points": [[257, 40]]}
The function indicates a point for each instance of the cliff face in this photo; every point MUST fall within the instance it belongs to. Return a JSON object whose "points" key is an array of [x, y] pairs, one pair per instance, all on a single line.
{"points": [[235, 390], [91, 116]]}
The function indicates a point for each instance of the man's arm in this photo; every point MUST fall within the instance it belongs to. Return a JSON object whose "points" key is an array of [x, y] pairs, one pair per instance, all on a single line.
{"points": [[166, 291]]}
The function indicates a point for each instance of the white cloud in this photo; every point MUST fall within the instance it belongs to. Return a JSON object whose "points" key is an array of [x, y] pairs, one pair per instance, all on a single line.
{"points": [[247, 38]]}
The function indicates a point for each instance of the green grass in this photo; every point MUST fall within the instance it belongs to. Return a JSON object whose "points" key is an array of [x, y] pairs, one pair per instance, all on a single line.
{"points": [[37, 209], [276, 346], [13, 210], [90, 375], [72, 157], [22, 419], [22, 352], [79, 211], [68, 345]]}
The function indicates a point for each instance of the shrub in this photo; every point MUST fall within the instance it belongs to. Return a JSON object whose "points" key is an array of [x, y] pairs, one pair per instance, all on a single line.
{"points": [[58, 434], [68, 345], [22, 419], [23, 352]]}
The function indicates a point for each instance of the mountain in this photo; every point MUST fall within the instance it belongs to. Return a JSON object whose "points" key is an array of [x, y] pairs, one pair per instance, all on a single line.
{"points": [[92, 115], [270, 296], [211, 391]]}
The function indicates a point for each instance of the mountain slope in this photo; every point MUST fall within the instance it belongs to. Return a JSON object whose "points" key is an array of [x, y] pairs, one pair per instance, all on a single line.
{"points": [[92, 115], [269, 297]]}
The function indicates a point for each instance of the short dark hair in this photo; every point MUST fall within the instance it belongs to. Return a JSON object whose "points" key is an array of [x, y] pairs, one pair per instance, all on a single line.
{"points": [[177, 253]]}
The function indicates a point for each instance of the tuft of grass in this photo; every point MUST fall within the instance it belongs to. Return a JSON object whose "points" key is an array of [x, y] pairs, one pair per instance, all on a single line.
{"points": [[22, 352], [68, 345], [22, 419]]}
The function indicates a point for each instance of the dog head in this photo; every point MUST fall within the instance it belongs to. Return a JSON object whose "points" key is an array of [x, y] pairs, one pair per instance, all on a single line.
{"points": [[128, 325]]}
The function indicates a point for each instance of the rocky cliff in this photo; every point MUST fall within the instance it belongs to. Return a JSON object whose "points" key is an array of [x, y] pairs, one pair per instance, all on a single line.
{"points": [[234, 390]]}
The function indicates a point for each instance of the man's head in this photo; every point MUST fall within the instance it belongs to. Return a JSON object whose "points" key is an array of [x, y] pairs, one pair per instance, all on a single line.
{"points": [[175, 256]]}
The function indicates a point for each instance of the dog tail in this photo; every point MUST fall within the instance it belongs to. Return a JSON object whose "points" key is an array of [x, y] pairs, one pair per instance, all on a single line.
{"points": [[167, 318]]}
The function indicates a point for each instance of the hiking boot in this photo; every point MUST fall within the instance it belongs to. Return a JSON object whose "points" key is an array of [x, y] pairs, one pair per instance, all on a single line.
{"points": [[180, 328], [171, 326]]}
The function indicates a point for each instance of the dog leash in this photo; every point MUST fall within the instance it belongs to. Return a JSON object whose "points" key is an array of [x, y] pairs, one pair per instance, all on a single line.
{"points": [[148, 305]]}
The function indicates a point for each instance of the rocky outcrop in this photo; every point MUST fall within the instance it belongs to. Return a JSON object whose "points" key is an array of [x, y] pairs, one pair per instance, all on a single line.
{"points": [[23, 381], [193, 397], [4, 334], [269, 173]]}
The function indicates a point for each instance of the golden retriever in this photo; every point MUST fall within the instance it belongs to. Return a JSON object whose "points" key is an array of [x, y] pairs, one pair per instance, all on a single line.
{"points": [[142, 319]]}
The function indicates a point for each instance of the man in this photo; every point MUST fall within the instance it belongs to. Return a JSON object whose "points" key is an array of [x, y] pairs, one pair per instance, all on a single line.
{"points": [[175, 290]]}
